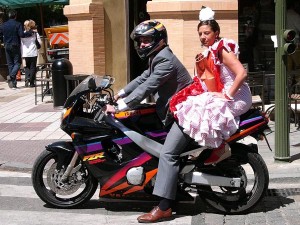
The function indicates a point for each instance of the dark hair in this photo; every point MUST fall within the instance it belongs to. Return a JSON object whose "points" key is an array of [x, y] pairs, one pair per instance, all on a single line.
{"points": [[12, 14], [212, 23]]}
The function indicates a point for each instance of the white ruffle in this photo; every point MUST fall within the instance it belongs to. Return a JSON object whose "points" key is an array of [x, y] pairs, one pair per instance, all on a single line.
{"points": [[229, 44], [207, 119]]}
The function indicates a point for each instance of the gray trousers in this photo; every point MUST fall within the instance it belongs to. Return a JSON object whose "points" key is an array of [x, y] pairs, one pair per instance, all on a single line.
{"points": [[168, 166]]}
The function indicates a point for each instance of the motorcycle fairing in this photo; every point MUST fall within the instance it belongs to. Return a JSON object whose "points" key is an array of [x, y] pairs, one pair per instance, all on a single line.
{"points": [[112, 174], [261, 124], [147, 144], [141, 120], [118, 185], [86, 126], [138, 112]]}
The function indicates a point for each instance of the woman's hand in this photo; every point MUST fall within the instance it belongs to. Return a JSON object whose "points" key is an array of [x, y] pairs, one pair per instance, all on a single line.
{"points": [[218, 94], [221, 95]]}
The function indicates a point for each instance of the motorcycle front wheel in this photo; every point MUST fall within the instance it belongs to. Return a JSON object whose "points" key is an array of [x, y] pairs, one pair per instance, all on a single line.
{"points": [[77, 189], [252, 170]]}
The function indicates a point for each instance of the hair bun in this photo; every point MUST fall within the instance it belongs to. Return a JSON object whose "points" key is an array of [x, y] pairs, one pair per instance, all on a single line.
{"points": [[206, 13]]}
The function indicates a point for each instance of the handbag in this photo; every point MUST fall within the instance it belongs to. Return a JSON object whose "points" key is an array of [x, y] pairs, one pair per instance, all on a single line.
{"points": [[37, 43]]}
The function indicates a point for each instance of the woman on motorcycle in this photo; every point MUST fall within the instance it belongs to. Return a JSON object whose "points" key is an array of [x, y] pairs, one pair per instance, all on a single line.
{"points": [[213, 116], [207, 110]]}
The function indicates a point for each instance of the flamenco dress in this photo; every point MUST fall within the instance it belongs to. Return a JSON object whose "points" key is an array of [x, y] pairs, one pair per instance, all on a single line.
{"points": [[206, 118]]}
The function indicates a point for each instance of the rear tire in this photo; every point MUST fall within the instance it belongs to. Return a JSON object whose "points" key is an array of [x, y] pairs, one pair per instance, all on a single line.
{"points": [[46, 179], [239, 200]]}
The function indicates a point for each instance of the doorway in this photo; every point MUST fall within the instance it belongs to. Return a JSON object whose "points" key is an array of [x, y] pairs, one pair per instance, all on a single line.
{"points": [[137, 11]]}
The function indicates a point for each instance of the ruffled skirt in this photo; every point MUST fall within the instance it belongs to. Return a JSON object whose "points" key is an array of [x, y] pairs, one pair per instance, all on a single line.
{"points": [[207, 119]]}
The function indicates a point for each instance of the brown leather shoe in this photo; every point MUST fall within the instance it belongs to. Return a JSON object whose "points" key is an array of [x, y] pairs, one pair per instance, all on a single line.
{"points": [[155, 215]]}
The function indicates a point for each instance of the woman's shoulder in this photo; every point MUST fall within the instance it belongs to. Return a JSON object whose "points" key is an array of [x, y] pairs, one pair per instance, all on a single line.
{"points": [[224, 43], [229, 44]]}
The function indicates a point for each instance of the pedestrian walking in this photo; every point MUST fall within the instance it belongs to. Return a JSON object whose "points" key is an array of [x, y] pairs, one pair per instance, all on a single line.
{"points": [[29, 50], [12, 31]]}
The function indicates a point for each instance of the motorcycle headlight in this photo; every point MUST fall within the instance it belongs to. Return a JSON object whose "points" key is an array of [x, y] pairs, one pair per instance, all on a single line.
{"points": [[65, 113]]}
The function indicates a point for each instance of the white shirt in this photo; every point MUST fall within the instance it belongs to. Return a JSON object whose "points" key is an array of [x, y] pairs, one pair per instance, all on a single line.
{"points": [[28, 47], [121, 103]]}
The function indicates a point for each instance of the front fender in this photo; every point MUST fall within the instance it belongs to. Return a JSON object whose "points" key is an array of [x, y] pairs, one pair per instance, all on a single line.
{"points": [[64, 151], [65, 146]]}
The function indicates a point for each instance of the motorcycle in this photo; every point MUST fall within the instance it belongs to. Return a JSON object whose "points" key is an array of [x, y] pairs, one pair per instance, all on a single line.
{"points": [[121, 151]]}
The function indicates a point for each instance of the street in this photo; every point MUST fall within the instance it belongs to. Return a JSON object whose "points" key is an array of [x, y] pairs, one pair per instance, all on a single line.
{"points": [[25, 128], [20, 205]]}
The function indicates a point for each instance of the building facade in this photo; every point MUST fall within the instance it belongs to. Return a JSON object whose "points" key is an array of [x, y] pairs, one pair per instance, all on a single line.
{"points": [[99, 32]]}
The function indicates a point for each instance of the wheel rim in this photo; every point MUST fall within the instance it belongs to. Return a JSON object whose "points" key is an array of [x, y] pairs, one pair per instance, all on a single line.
{"points": [[237, 200], [234, 194], [55, 192]]}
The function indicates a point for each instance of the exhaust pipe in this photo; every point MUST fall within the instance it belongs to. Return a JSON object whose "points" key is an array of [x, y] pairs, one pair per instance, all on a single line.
{"points": [[199, 178]]}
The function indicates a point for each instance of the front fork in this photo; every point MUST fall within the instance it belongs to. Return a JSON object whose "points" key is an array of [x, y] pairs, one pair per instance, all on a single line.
{"points": [[64, 150], [71, 167]]}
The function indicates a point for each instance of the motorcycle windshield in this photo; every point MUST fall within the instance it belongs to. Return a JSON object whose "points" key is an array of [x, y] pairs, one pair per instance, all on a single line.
{"points": [[82, 87]]}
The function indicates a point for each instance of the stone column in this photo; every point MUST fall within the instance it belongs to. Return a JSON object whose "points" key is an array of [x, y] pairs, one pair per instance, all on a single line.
{"points": [[86, 36]]}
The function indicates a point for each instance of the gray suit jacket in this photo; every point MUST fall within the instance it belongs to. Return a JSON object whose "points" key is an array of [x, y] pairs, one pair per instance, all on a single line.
{"points": [[165, 76]]}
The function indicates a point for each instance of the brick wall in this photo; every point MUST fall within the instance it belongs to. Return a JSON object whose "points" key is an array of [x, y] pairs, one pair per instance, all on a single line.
{"points": [[86, 36], [98, 37], [181, 20]]}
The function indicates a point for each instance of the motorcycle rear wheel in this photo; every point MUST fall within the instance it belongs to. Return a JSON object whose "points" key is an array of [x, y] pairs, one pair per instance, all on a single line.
{"points": [[239, 200], [56, 193]]}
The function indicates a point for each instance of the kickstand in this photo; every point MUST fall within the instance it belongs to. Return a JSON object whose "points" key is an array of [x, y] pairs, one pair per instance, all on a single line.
{"points": [[265, 136]]}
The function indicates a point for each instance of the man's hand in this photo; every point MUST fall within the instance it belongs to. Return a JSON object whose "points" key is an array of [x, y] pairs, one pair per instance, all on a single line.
{"points": [[109, 109], [116, 97]]}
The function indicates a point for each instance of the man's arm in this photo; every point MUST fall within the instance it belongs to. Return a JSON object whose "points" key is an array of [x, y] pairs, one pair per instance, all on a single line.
{"points": [[162, 70], [147, 84], [136, 82]]}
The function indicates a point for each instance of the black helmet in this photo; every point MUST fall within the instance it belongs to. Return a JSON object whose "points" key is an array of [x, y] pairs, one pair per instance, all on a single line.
{"points": [[153, 29]]}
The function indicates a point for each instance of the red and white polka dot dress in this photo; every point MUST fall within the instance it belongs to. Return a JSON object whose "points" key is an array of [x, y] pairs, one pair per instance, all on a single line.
{"points": [[209, 119]]}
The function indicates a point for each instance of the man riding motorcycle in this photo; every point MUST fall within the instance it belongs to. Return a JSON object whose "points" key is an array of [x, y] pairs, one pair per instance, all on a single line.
{"points": [[164, 77]]}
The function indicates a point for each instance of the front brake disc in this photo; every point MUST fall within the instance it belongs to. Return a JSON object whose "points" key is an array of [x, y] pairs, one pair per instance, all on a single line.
{"points": [[68, 187]]}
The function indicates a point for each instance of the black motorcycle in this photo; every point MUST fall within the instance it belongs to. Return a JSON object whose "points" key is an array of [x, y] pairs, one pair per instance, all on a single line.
{"points": [[120, 152]]}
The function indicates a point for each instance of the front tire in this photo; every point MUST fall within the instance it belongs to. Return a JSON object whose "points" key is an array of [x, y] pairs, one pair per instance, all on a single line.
{"points": [[239, 200], [46, 179]]}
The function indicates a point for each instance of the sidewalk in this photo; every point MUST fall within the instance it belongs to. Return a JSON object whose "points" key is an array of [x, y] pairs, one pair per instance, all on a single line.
{"points": [[25, 128]]}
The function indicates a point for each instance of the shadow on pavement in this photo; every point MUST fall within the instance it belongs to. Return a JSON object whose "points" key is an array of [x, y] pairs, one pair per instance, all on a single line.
{"points": [[192, 208], [295, 157], [274, 199]]}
